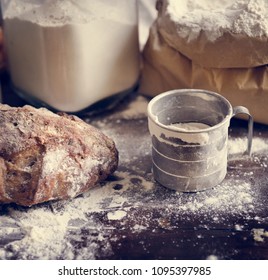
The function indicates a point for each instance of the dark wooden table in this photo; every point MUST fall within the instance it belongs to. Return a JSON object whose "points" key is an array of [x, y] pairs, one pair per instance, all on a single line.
{"points": [[130, 216]]}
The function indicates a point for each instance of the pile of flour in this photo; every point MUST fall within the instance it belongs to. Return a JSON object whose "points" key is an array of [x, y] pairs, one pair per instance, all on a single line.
{"points": [[247, 17]]}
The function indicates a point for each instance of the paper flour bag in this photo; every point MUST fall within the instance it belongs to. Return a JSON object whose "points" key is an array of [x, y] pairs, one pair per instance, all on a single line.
{"points": [[222, 47]]}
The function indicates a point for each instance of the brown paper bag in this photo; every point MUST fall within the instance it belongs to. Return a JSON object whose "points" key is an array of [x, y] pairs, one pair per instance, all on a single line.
{"points": [[169, 64]]}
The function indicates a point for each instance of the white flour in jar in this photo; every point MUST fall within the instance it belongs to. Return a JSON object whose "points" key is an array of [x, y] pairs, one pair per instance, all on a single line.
{"points": [[71, 54], [247, 17]]}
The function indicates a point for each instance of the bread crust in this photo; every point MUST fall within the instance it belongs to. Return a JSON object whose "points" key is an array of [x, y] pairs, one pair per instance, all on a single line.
{"points": [[46, 156]]}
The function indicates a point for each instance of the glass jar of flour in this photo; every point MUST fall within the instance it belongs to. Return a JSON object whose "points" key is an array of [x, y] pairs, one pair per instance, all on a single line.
{"points": [[70, 55]]}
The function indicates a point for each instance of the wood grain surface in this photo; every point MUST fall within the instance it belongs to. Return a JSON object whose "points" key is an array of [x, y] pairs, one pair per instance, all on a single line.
{"points": [[151, 222]]}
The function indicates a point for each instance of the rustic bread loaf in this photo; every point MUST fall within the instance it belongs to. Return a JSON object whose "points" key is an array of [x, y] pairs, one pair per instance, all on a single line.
{"points": [[46, 156]]}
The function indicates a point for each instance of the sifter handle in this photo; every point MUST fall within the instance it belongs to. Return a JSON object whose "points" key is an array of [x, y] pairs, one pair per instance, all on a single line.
{"points": [[243, 110]]}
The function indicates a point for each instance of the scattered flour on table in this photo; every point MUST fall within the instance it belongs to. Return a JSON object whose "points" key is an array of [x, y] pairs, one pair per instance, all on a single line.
{"points": [[87, 226], [212, 257], [238, 227], [135, 109], [221, 199], [139, 228], [47, 231], [50, 231], [239, 145], [117, 215], [216, 17], [259, 234]]}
